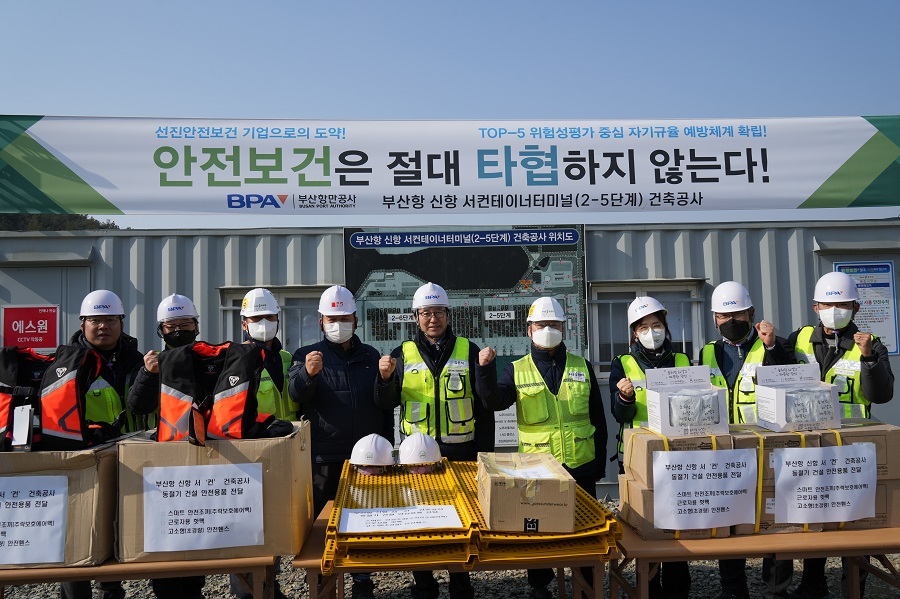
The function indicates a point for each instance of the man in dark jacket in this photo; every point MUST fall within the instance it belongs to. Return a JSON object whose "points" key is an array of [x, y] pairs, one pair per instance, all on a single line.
{"points": [[332, 381], [439, 381]]}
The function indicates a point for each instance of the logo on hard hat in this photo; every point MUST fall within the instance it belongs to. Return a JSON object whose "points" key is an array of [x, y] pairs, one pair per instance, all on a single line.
{"points": [[834, 293], [102, 307], [337, 304], [244, 304], [370, 456], [730, 303], [422, 454], [642, 307], [175, 308], [432, 296]]}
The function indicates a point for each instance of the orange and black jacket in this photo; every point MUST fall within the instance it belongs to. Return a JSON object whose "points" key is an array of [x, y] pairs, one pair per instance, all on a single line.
{"points": [[209, 391], [21, 371], [63, 389]]}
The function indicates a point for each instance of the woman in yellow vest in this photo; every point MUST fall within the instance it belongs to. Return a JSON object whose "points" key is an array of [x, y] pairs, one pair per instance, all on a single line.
{"points": [[650, 347]]}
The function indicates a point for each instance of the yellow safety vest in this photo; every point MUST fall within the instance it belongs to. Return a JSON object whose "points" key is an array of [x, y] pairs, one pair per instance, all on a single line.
{"points": [[424, 399], [270, 399], [742, 397], [103, 404], [845, 374], [556, 424]]}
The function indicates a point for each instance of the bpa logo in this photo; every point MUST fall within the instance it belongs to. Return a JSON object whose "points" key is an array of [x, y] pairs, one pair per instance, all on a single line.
{"points": [[250, 200]]}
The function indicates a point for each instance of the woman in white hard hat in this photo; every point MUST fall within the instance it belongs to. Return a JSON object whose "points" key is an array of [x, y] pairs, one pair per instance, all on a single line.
{"points": [[650, 347], [857, 363]]}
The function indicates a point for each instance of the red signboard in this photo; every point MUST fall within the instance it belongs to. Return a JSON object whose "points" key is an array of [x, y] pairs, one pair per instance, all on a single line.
{"points": [[30, 326]]}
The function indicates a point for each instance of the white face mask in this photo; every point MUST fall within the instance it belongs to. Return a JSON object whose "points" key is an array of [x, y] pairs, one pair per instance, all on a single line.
{"points": [[652, 339], [338, 332], [547, 337], [835, 318], [264, 330]]}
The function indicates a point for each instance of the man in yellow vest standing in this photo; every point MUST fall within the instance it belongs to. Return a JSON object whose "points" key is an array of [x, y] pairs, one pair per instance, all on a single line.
{"points": [[732, 362], [439, 381], [857, 362], [558, 409]]}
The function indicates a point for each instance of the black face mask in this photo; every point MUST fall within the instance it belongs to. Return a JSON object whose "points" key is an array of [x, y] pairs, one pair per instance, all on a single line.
{"points": [[179, 338], [735, 330]]}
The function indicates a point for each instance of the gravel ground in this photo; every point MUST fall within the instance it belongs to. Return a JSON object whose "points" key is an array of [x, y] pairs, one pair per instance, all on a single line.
{"points": [[494, 585]]}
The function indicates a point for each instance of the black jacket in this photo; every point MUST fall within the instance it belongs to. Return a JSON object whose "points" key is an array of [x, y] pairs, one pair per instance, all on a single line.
{"points": [[120, 365], [552, 369], [647, 359], [338, 401], [387, 393]]}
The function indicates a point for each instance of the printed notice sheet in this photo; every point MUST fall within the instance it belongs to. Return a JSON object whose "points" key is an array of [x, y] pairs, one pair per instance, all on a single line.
{"points": [[399, 519]]}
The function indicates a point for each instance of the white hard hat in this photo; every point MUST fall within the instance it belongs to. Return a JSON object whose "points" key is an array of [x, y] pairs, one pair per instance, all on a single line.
{"points": [[102, 302], [730, 296], [176, 306], [258, 302], [429, 295], [419, 448], [545, 308], [372, 450], [337, 301], [643, 306], [836, 287]]}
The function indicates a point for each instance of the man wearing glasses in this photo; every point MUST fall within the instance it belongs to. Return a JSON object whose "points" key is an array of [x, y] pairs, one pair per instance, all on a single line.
{"points": [[439, 381], [102, 317]]}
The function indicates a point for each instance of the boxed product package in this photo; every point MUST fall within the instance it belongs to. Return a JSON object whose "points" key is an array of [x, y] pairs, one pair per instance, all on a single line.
{"points": [[886, 438], [792, 398], [681, 401], [887, 509], [241, 498], [767, 523], [640, 443], [58, 508], [751, 436], [525, 492], [636, 509]]}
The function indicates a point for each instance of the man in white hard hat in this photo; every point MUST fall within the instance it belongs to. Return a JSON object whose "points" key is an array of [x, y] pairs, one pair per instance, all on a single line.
{"points": [[440, 382], [857, 363], [557, 399], [332, 381], [177, 325], [102, 317], [732, 361]]}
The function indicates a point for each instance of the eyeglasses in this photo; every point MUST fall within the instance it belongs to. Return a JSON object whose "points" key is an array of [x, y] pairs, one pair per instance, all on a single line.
{"points": [[656, 328], [171, 327], [437, 314], [109, 321]]}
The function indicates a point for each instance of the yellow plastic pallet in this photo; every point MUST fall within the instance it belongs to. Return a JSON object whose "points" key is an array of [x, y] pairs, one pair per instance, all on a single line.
{"points": [[552, 551], [592, 519], [406, 558], [396, 489]]}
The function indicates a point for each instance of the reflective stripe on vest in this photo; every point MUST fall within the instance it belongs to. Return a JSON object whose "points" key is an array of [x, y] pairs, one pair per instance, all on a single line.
{"points": [[742, 397], [452, 392], [556, 424], [845, 374]]}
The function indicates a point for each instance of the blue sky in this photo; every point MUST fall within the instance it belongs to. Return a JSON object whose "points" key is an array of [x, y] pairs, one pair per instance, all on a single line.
{"points": [[459, 60]]}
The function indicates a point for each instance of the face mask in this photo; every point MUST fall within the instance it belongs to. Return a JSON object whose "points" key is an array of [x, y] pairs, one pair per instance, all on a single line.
{"points": [[835, 318], [547, 338], [652, 339], [338, 332], [179, 338], [264, 330], [735, 330]]}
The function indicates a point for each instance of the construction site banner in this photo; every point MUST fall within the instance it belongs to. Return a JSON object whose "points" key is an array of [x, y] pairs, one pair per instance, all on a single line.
{"points": [[89, 165]]}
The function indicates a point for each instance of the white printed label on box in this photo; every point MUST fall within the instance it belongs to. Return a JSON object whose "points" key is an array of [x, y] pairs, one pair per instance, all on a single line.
{"points": [[33, 519], [399, 519], [677, 377], [825, 484], [787, 374], [704, 489], [203, 507]]}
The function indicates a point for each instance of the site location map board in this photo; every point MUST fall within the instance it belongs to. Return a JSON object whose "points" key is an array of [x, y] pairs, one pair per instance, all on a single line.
{"points": [[491, 275]]}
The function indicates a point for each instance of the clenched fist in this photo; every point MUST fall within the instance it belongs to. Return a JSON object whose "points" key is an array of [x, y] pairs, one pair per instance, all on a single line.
{"points": [[864, 342], [151, 361], [486, 355], [313, 363], [386, 366], [626, 388], [766, 332]]}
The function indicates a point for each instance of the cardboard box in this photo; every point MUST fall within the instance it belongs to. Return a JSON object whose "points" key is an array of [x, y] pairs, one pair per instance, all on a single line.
{"points": [[286, 490], [774, 386], [886, 438], [748, 436], [640, 444], [91, 511], [664, 384], [525, 492], [767, 523], [636, 509], [887, 509]]}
